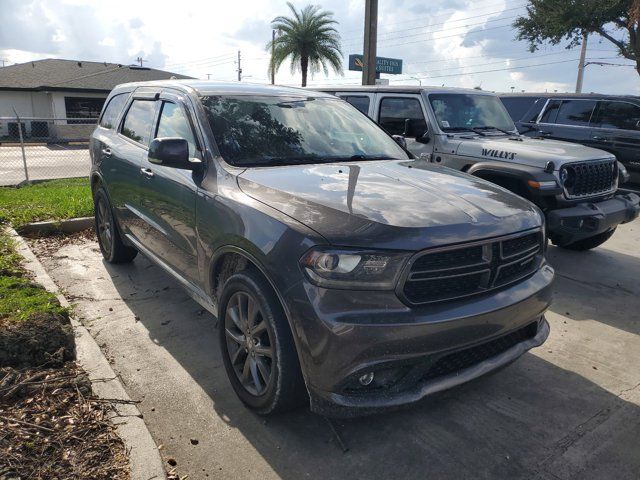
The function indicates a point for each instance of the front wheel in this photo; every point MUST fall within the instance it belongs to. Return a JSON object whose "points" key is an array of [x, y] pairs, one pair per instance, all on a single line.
{"points": [[257, 346], [591, 242]]}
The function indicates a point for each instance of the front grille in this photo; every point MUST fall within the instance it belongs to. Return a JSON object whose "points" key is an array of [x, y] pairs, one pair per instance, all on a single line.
{"points": [[589, 178], [455, 272], [457, 361]]}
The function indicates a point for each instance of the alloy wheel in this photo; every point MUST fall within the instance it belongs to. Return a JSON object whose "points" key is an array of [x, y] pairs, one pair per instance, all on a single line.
{"points": [[249, 343], [105, 225]]}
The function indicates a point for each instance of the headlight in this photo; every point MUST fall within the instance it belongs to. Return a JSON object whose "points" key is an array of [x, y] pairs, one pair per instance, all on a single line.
{"points": [[352, 268]]}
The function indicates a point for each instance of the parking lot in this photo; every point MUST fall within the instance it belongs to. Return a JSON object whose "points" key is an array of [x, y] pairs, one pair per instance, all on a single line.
{"points": [[567, 410]]}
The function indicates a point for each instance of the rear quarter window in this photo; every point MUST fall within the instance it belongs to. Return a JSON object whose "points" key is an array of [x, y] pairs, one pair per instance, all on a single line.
{"points": [[518, 106], [112, 110]]}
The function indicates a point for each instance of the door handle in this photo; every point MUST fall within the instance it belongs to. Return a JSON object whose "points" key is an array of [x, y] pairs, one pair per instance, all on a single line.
{"points": [[106, 152], [597, 137], [544, 132], [147, 172]]}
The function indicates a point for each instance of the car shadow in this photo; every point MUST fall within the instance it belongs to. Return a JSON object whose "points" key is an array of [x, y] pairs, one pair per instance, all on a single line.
{"points": [[534, 419]]}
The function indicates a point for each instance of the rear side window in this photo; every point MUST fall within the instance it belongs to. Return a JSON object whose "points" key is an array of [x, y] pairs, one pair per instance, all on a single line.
{"points": [[360, 102], [174, 123], [575, 112], [550, 114], [139, 120], [395, 110], [518, 106], [621, 115], [114, 107]]}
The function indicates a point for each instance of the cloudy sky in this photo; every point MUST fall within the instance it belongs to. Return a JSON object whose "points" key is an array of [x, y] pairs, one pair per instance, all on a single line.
{"points": [[465, 43]]}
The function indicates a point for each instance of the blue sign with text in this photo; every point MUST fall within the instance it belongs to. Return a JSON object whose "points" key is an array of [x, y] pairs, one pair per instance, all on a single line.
{"points": [[383, 64]]}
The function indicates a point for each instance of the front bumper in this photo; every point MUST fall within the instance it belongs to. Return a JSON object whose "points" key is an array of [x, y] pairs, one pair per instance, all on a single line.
{"points": [[343, 335], [568, 225]]}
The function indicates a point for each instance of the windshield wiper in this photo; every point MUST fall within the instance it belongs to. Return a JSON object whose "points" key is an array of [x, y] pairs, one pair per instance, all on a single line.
{"points": [[490, 127], [463, 129]]}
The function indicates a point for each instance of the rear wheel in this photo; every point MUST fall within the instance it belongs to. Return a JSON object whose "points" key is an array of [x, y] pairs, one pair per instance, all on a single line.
{"points": [[591, 242], [111, 245], [257, 346]]}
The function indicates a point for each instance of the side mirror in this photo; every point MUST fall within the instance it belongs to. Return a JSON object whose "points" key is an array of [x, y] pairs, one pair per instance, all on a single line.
{"points": [[400, 140], [424, 138], [171, 152]]}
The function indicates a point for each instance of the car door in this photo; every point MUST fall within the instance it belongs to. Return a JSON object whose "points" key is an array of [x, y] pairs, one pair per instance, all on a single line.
{"points": [[168, 195], [392, 113], [568, 120], [617, 130], [127, 153]]}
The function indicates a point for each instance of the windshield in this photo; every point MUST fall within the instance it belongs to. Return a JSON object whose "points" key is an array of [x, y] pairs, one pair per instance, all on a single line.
{"points": [[268, 130], [460, 112]]}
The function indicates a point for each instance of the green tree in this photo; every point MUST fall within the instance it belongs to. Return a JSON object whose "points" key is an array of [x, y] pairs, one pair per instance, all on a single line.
{"points": [[309, 39], [555, 21]]}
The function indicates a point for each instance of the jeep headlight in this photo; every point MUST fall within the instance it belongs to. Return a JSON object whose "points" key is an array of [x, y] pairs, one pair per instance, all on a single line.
{"points": [[353, 268]]}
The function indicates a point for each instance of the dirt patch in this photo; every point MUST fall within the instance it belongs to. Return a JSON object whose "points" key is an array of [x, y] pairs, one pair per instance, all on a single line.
{"points": [[43, 338], [53, 427], [49, 245]]}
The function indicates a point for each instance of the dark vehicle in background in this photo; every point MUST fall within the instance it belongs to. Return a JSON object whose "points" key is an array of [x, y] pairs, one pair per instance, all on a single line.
{"points": [[340, 270], [610, 123]]}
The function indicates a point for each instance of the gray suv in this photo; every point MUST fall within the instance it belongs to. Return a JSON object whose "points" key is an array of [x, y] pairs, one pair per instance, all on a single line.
{"points": [[342, 272]]}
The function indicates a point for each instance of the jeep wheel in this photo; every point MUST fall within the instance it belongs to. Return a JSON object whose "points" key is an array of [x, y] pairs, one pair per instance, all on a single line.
{"points": [[111, 245], [591, 242], [257, 346]]}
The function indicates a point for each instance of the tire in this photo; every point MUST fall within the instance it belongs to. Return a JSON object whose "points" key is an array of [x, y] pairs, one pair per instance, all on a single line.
{"points": [[591, 242], [264, 371], [111, 245]]}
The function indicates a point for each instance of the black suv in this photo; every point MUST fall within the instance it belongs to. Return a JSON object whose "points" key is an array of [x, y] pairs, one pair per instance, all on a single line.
{"points": [[610, 123], [340, 269]]}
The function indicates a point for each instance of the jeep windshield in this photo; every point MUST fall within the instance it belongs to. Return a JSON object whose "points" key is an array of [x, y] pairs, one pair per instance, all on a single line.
{"points": [[481, 114], [253, 131]]}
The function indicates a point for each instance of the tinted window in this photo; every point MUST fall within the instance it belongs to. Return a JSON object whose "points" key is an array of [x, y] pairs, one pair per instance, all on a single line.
{"points": [[532, 114], [621, 115], [269, 130], [361, 103], [518, 106], [138, 121], [174, 123], [112, 111], [460, 112], [550, 114], [395, 110], [575, 112]]}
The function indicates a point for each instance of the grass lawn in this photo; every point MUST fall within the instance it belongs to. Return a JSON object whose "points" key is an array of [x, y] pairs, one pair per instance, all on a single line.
{"points": [[19, 296], [51, 200]]}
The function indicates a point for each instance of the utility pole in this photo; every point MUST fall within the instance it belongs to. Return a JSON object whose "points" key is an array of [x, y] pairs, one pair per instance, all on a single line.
{"points": [[581, 65], [239, 68], [3, 61], [273, 51], [370, 42], [140, 60], [208, 76]]}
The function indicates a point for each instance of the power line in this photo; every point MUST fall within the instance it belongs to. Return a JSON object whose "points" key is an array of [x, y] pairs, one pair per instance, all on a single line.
{"points": [[202, 60]]}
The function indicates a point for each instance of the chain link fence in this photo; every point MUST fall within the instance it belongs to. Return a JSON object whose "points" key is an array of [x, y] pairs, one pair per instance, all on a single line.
{"points": [[44, 148]]}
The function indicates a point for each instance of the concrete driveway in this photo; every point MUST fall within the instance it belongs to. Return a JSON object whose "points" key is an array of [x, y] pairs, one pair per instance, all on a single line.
{"points": [[567, 410]]}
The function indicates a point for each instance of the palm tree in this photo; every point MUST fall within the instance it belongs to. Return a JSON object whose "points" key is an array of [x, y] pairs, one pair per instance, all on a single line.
{"points": [[309, 39]]}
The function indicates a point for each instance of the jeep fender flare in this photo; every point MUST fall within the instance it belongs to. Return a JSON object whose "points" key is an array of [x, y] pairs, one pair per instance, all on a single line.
{"points": [[527, 179]]}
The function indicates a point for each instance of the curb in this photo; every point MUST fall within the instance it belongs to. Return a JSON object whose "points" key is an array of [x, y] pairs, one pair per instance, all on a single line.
{"points": [[144, 458], [71, 225]]}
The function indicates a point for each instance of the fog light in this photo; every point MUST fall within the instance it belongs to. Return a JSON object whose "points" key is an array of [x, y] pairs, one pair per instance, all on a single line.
{"points": [[366, 379]]}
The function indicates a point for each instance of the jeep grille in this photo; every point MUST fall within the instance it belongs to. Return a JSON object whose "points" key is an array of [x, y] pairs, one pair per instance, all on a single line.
{"points": [[586, 179], [453, 272]]}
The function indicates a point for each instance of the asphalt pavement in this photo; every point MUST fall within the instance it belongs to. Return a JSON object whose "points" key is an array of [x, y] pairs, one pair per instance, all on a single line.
{"points": [[567, 410]]}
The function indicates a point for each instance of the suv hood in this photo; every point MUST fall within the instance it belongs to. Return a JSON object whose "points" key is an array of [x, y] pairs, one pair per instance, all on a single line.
{"points": [[408, 205], [530, 151]]}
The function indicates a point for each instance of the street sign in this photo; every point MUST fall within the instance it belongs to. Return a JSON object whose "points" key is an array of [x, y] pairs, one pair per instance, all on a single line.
{"points": [[383, 64]]}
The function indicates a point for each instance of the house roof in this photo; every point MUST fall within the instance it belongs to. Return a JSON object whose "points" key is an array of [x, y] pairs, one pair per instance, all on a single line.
{"points": [[57, 74]]}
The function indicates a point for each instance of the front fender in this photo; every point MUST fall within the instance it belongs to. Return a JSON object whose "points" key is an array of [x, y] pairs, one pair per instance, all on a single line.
{"points": [[534, 181]]}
